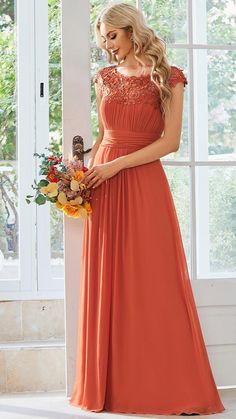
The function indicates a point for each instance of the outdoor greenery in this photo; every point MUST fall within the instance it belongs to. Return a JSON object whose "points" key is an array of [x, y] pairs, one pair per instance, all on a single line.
{"points": [[169, 19], [55, 113]]}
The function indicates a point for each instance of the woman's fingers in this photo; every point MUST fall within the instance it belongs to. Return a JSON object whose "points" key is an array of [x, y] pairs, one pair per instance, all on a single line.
{"points": [[97, 183], [88, 176]]}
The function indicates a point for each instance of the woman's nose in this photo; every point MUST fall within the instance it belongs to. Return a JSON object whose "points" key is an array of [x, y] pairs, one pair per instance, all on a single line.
{"points": [[109, 44]]}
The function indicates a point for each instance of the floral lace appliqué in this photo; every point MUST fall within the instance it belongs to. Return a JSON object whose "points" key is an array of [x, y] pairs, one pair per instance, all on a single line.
{"points": [[177, 76], [116, 87]]}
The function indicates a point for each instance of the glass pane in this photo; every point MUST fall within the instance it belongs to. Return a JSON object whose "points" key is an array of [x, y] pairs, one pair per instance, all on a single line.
{"points": [[216, 221], [222, 103], [9, 222], [168, 18], [215, 22], [179, 181], [215, 93], [221, 21], [55, 128], [95, 8]]}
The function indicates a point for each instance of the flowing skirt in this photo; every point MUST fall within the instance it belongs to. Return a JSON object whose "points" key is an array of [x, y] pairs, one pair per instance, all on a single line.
{"points": [[140, 344]]}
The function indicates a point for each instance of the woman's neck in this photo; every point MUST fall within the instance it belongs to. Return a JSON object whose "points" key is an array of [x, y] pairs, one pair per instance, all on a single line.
{"points": [[129, 61]]}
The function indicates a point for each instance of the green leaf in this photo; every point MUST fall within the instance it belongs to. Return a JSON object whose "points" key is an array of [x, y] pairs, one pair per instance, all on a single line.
{"points": [[40, 200], [53, 199], [28, 201], [43, 182], [43, 171]]}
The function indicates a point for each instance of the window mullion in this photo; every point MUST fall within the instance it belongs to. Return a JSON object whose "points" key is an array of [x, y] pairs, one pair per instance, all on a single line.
{"points": [[191, 132], [26, 142], [200, 147], [42, 139]]}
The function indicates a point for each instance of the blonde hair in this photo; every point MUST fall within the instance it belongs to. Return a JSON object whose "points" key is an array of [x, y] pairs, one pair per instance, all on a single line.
{"points": [[128, 17]]}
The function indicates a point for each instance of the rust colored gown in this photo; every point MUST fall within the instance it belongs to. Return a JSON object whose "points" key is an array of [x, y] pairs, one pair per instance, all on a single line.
{"points": [[140, 345]]}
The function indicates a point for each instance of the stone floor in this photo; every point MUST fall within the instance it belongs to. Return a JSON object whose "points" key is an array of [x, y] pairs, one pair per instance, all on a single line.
{"points": [[55, 405]]}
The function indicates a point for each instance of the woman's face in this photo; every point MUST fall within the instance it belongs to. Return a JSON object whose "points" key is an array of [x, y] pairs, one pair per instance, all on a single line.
{"points": [[116, 40]]}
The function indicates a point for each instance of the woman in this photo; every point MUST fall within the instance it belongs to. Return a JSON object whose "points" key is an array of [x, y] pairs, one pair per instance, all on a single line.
{"points": [[140, 345]]}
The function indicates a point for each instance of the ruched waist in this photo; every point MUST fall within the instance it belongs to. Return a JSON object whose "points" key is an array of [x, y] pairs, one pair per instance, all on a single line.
{"points": [[124, 138]]}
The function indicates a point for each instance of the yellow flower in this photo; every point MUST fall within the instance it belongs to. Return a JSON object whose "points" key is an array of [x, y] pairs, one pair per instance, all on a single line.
{"points": [[88, 207], [62, 198], [59, 205], [50, 189], [75, 211], [83, 212], [74, 185], [71, 210], [76, 201]]}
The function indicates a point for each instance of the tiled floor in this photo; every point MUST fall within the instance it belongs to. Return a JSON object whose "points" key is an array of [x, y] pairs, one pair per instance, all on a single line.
{"points": [[56, 406]]}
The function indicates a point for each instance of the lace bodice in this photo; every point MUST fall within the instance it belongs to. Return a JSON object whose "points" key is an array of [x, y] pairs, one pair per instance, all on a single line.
{"points": [[117, 87]]}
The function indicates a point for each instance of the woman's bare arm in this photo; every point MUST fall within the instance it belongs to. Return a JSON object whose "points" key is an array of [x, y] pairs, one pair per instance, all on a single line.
{"points": [[100, 127], [166, 144]]}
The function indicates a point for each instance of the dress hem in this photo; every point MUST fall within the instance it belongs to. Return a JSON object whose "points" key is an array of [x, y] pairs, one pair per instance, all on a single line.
{"points": [[213, 410]]}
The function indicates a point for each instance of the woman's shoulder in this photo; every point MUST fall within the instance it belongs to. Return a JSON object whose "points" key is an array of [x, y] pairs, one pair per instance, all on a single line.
{"points": [[102, 73], [177, 76]]}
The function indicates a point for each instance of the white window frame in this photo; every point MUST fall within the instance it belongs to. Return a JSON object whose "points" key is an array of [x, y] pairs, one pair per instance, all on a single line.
{"points": [[46, 282], [35, 280]]}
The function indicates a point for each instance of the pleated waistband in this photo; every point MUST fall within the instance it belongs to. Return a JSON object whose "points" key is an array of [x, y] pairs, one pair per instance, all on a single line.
{"points": [[124, 138]]}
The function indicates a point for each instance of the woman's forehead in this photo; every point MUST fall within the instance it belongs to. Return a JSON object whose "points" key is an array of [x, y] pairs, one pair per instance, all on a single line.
{"points": [[105, 29]]}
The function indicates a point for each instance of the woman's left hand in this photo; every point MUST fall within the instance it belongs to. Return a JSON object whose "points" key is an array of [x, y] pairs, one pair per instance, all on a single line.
{"points": [[101, 172]]}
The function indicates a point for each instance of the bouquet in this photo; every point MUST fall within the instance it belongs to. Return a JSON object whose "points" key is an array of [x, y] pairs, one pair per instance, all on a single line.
{"points": [[62, 185]]}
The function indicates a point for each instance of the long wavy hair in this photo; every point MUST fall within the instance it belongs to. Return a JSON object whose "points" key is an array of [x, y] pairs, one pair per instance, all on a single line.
{"points": [[146, 42]]}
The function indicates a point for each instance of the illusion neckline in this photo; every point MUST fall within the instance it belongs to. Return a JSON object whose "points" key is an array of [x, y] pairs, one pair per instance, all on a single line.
{"points": [[130, 77]]}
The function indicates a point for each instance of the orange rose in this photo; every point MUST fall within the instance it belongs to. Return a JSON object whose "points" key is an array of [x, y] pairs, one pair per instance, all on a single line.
{"points": [[72, 210], [78, 175]]}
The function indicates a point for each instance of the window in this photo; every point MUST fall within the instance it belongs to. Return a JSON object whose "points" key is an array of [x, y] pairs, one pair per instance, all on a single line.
{"points": [[31, 239], [9, 217]]}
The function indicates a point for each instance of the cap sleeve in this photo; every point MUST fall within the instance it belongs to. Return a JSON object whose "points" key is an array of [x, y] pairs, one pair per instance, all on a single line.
{"points": [[177, 76]]}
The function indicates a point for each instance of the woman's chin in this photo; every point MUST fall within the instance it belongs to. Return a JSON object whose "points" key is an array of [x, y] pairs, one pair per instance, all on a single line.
{"points": [[120, 57]]}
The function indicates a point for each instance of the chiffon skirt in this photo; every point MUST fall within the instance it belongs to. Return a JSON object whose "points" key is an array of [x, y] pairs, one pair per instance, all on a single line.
{"points": [[140, 345]]}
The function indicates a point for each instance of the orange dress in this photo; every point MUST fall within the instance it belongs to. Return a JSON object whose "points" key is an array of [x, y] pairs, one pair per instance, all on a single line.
{"points": [[140, 345]]}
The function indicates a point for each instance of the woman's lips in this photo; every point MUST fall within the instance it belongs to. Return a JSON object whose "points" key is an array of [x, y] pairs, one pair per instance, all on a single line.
{"points": [[115, 52]]}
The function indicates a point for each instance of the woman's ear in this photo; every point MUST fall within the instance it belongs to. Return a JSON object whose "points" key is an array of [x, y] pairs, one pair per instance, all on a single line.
{"points": [[131, 34]]}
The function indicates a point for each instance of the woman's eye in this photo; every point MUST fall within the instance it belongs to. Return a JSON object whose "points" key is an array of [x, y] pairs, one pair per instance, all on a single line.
{"points": [[110, 38]]}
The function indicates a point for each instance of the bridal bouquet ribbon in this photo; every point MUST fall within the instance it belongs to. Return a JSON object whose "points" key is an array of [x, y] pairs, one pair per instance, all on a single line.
{"points": [[62, 184]]}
